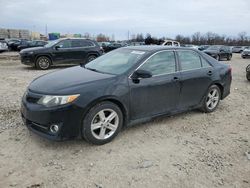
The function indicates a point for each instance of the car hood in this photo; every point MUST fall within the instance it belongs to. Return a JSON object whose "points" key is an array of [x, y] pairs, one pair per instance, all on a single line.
{"points": [[66, 81], [32, 49], [210, 51]]}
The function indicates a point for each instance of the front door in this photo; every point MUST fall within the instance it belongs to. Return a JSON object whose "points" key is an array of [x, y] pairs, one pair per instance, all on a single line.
{"points": [[158, 94]]}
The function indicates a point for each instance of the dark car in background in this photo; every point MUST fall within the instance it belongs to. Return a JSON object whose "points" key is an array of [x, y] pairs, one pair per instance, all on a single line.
{"points": [[248, 72], [124, 87], [61, 51], [31, 44], [219, 52], [203, 47], [13, 44], [112, 46]]}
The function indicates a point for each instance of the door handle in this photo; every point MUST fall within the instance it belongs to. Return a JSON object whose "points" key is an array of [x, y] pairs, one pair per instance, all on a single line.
{"points": [[209, 73]]}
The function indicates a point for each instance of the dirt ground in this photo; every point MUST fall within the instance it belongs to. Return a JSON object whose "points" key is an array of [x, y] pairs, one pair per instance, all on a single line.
{"points": [[192, 149]]}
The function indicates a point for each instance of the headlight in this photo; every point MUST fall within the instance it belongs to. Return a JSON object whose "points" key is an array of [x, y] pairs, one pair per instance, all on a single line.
{"points": [[50, 101]]}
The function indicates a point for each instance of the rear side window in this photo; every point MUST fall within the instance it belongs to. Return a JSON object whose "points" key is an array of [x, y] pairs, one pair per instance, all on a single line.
{"points": [[76, 44], [205, 64], [189, 60], [85, 43], [160, 63]]}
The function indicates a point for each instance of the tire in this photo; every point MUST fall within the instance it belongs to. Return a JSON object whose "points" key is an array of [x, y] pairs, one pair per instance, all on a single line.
{"points": [[91, 58], [211, 99], [248, 76], [98, 126], [43, 63], [229, 57], [218, 57]]}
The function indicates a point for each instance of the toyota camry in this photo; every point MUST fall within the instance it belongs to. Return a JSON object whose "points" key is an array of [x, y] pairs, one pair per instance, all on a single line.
{"points": [[124, 87]]}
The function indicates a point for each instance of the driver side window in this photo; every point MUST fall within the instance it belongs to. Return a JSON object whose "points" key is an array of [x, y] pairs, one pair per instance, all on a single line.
{"points": [[64, 44], [160, 63]]}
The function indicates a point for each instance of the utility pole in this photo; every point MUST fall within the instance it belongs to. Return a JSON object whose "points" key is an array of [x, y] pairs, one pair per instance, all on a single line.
{"points": [[128, 35], [46, 30]]}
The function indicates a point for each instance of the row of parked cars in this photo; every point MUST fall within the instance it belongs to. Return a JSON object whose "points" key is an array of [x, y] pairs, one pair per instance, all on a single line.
{"points": [[19, 44]]}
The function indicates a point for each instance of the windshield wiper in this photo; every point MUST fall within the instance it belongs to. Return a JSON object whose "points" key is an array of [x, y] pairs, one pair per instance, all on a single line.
{"points": [[90, 68]]}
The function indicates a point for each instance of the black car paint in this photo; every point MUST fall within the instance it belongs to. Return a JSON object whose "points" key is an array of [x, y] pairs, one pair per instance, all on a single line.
{"points": [[222, 52], [76, 55], [139, 101], [32, 44]]}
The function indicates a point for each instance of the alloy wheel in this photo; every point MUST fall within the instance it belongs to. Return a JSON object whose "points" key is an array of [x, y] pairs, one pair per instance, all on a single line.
{"points": [[212, 99], [44, 63], [104, 124]]}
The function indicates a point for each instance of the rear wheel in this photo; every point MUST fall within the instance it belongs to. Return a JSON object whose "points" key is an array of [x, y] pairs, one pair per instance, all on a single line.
{"points": [[102, 123], [248, 76], [229, 57], [43, 63], [212, 99], [91, 58]]}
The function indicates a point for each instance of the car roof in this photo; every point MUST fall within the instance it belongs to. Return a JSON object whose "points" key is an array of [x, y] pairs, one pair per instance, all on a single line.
{"points": [[152, 48]]}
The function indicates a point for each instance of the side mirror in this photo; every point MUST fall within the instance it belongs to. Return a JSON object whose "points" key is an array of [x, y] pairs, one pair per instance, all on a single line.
{"points": [[141, 74], [57, 47]]}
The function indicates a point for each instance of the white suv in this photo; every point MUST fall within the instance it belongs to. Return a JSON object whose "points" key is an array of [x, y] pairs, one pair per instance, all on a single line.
{"points": [[170, 43]]}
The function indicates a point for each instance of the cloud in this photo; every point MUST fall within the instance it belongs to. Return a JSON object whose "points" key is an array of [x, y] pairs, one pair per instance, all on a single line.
{"points": [[160, 18]]}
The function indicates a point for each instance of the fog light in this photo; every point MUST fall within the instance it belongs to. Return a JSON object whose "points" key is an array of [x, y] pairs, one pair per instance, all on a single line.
{"points": [[54, 128]]}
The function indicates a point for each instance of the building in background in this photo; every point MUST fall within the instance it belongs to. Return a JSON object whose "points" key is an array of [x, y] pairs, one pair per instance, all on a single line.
{"points": [[14, 33]]}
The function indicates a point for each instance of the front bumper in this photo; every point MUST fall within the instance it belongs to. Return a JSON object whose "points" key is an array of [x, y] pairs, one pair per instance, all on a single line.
{"points": [[38, 118], [27, 59]]}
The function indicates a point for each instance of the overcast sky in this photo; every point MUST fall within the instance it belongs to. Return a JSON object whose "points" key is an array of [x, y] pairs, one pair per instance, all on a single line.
{"points": [[158, 17]]}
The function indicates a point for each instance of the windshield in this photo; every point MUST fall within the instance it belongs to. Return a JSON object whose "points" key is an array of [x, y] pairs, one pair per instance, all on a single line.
{"points": [[116, 62], [51, 43], [213, 48]]}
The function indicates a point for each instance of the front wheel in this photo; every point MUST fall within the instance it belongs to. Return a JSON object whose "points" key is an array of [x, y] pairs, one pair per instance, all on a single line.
{"points": [[212, 99], [248, 76], [102, 123], [43, 63]]}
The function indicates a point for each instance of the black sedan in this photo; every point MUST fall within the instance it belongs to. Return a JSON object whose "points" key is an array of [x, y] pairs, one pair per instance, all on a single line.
{"points": [[31, 44], [219, 52], [121, 88]]}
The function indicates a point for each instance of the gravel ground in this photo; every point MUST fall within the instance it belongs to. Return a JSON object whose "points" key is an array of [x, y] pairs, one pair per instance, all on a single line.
{"points": [[192, 149]]}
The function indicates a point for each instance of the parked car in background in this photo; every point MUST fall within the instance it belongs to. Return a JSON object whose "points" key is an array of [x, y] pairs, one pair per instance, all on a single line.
{"points": [[219, 52], [61, 51], [112, 46], [124, 87], [13, 44], [3, 46], [248, 72], [238, 49], [246, 52], [30, 44], [170, 43], [203, 47], [191, 46]]}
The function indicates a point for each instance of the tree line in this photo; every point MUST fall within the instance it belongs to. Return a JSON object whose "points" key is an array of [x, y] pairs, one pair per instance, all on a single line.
{"points": [[198, 38]]}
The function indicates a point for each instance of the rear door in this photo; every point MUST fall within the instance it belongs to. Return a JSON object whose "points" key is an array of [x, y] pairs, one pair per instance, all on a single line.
{"points": [[196, 77], [158, 94]]}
